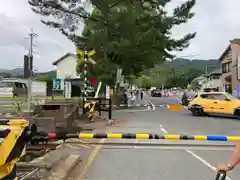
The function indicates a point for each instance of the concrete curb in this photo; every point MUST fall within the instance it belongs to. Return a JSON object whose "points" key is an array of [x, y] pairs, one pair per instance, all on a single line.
{"points": [[63, 169], [49, 160]]}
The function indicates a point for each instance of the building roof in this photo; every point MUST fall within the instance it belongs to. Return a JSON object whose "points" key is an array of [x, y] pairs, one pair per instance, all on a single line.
{"points": [[62, 58], [70, 54], [234, 41], [215, 71]]}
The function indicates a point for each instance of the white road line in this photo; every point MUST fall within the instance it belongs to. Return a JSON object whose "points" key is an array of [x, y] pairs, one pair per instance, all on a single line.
{"points": [[165, 148], [180, 102], [206, 163], [162, 129]]}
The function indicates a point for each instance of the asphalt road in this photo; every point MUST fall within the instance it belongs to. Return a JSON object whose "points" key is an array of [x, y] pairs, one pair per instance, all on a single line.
{"points": [[164, 162]]}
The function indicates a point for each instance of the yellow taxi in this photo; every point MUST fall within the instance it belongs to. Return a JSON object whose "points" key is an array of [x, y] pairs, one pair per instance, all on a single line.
{"points": [[216, 103]]}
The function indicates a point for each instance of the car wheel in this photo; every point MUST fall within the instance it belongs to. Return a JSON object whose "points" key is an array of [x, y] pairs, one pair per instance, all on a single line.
{"points": [[197, 111], [237, 113]]}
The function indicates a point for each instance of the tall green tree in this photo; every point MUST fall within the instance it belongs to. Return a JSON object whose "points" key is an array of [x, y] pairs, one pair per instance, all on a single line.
{"points": [[134, 35]]}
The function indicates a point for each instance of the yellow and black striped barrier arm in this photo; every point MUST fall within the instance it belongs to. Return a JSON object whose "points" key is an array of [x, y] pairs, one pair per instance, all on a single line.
{"points": [[147, 136], [13, 135]]}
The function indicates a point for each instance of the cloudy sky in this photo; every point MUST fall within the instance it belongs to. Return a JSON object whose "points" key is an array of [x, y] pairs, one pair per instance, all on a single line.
{"points": [[216, 22]]}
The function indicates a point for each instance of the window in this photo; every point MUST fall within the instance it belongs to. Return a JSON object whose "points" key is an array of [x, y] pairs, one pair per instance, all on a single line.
{"points": [[229, 55], [226, 67], [229, 96], [214, 96], [18, 85], [23, 85], [215, 76], [205, 96], [219, 96], [238, 67]]}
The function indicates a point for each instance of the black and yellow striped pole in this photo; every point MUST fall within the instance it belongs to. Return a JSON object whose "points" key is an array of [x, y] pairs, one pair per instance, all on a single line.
{"points": [[147, 136], [84, 58], [85, 71]]}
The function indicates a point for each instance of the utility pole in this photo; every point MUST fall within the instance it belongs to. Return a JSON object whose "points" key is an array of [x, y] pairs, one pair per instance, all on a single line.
{"points": [[32, 35]]}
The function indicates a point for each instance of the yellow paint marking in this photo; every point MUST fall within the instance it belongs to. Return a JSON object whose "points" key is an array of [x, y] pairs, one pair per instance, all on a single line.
{"points": [[233, 138], [114, 136], [142, 136], [200, 137], [85, 136], [173, 136], [90, 160]]}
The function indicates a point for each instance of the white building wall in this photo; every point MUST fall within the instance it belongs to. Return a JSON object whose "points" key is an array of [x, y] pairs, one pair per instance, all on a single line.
{"points": [[67, 68], [215, 83]]}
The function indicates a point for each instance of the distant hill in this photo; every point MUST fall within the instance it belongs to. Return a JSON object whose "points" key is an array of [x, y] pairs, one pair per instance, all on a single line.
{"points": [[20, 72], [196, 63], [176, 64]]}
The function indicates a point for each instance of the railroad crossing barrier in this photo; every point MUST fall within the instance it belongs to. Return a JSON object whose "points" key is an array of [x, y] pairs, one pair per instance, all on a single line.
{"points": [[144, 136], [91, 105], [15, 134]]}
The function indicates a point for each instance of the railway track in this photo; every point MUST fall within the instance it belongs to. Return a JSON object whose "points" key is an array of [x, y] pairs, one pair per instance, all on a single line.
{"points": [[29, 173]]}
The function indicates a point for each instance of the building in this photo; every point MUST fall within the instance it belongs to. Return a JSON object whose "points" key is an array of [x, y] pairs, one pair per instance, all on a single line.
{"points": [[66, 68], [201, 80], [213, 81], [230, 64]]}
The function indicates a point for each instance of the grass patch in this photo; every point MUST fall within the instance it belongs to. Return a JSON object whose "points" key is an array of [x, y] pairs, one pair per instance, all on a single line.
{"points": [[37, 98]]}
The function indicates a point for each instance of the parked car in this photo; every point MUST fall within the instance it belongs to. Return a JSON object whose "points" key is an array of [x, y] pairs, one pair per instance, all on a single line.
{"points": [[216, 103], [156, 93], [13, 89]]}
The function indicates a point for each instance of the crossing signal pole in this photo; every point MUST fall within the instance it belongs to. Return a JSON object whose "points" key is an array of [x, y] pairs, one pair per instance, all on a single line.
{"points": [[85, 71]]}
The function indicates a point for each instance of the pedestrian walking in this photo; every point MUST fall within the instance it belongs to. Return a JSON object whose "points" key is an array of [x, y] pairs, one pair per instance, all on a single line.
{"points": [[141, 95], [137, 94], [132, 98]]}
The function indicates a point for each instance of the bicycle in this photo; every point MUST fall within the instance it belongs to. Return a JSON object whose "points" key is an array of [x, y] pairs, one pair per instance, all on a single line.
{"points": [[221, 175]]}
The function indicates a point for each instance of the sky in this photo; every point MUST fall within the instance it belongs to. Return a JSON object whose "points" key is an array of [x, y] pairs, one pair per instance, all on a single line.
{"points": [[216, 22]]}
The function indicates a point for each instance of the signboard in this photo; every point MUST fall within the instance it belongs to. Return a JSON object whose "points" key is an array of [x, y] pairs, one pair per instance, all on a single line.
{"points": [[107, 92], [28, 66], [58, 84], [68, 89], [119, 75]]}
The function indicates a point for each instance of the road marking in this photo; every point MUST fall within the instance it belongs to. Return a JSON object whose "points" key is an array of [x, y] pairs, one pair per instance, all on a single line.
{"points": [[206, 163], [162, 129], [180, 102], [167, 148], [91, 158]]}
